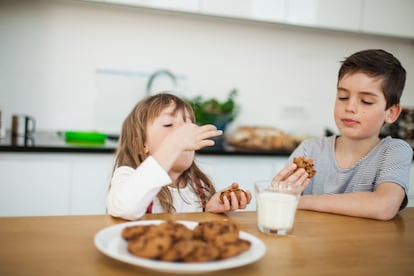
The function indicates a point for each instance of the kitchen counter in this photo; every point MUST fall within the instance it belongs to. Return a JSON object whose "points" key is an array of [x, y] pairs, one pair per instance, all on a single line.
{"points": [[54, 142]]}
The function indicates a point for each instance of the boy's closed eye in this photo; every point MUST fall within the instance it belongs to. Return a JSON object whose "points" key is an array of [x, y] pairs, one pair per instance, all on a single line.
{"points": [[342, 95], [367, 102]]}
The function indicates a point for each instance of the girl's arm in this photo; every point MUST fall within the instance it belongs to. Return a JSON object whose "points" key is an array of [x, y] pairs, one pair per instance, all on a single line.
{"points": [[132, 190]]}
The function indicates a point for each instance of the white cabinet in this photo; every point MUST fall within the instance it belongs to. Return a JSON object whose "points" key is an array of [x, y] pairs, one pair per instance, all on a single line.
{"points": [[175, 5], [245, 170], [386, 17], [91, 176], [179, 5], [227, 8], [36, 184], [34, 187], [267, 10], [330, 14]]}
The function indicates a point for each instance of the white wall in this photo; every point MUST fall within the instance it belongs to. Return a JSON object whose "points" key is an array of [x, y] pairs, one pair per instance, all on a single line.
{"points": [[50, 52]]}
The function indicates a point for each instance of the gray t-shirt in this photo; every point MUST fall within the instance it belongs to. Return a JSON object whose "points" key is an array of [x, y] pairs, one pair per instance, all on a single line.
{"points": [[389, 161]]}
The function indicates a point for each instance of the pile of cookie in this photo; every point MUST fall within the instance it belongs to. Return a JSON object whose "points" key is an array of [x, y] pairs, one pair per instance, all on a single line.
{"points": [[174, 242]]}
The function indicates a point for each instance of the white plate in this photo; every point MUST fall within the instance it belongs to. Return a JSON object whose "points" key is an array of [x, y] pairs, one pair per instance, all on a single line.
{"points": [[110, 242]]}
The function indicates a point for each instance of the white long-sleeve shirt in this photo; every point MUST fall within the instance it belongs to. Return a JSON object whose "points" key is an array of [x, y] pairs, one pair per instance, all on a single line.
{"points": [[132, 190]]}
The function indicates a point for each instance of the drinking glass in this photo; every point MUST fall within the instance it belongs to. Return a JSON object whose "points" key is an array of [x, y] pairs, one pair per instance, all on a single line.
{"points": [[276, 203]]}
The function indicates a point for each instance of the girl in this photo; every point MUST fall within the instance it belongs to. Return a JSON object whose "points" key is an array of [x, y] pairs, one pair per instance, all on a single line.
{"points": [[154, 168]]}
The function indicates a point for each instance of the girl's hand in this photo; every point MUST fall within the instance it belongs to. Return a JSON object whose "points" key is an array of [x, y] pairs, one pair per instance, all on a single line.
{"points": [[216, 206], [291, 174], [193, 137], [178, 143]]}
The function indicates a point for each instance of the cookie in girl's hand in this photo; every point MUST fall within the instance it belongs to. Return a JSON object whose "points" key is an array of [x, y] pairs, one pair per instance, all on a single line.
{"points": [[237, 191]]}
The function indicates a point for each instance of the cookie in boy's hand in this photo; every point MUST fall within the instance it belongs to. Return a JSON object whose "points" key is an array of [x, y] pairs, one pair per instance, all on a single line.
{"points": [[237, 191], [306, 163]]}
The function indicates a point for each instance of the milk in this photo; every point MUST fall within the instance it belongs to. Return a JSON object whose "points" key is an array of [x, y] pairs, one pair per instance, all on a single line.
{"points": [[276, 211]]}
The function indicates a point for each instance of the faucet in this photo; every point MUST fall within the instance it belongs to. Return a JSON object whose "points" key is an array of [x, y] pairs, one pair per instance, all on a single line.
{"points": [[158, 73]]}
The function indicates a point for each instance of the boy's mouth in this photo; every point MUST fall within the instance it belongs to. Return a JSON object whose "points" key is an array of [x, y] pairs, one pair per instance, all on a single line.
{"points": [[349, 122]]}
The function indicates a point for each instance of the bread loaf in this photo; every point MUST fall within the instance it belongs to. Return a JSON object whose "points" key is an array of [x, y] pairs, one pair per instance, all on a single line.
{"points": [[261, 138]]}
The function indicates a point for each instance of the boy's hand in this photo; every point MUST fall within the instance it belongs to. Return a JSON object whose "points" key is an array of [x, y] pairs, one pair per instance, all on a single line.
{"points": [[292, 174]]}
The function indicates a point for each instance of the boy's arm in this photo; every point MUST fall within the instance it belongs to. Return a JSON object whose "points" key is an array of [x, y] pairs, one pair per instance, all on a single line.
{"points": [[382, 204]]}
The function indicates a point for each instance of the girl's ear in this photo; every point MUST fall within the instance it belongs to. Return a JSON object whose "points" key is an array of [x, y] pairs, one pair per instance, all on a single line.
{"points": [[393, 113], [146, 150]]}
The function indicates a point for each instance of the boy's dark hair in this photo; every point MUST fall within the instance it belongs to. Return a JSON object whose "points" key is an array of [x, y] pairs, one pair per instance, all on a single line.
{"points": [[378, 63]]}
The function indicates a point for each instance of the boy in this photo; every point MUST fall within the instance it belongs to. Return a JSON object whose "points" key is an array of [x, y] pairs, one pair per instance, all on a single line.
{"points": [[358, 173]]}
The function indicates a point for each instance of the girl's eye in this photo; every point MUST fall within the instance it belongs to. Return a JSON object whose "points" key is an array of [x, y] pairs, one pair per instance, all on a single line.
{"points": [[168, 125], [342, 98]]}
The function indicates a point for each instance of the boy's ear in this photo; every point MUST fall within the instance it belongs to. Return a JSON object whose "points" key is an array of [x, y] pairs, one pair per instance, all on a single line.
{"points": [[393, 113]]}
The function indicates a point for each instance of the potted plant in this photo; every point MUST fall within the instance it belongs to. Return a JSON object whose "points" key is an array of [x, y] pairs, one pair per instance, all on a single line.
{"points": [[212, 111]]}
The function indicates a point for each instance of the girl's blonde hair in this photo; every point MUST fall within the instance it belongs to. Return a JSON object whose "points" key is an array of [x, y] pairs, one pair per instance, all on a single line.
{"points": [[131, 153]]}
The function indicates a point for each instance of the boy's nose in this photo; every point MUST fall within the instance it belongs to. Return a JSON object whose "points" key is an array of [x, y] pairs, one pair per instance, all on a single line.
{"points": [[350, 106]]}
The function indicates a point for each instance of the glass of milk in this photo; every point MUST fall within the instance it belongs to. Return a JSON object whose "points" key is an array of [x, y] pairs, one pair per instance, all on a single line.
{"points": [[276, 203]]}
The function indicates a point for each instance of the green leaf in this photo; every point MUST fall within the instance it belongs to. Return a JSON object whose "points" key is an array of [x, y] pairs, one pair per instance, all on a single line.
{"points": [[211, 111]]}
